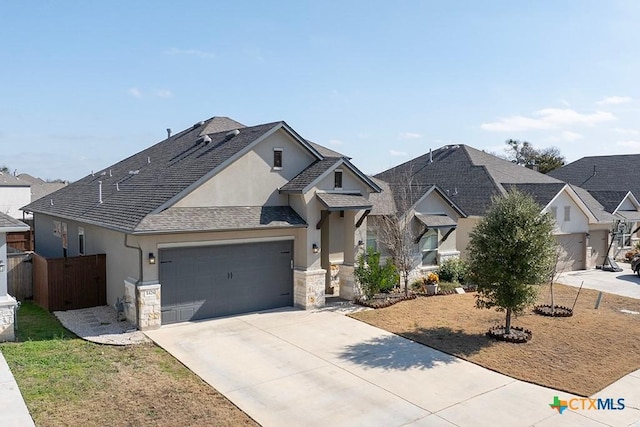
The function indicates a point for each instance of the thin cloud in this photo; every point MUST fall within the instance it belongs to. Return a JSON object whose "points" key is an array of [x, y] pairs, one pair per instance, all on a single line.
{"points": [[164, 93], [397, 153], [635, 145], [614, 100], [624, 131], [191, 52], [335, 142], [571, 136], [547, 118], [135, 92], [409, 135]]}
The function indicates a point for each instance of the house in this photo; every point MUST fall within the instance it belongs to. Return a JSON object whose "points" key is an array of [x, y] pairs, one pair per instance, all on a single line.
{"points": [[218, 219], [600, 176], [40, 187], [468, 179], [7, 302], [14, 193]]}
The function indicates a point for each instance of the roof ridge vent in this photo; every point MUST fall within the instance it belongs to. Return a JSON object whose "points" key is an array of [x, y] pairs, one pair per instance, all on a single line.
{"points": [[197, 125], [204, 138], [134, 172], [231, 134]]}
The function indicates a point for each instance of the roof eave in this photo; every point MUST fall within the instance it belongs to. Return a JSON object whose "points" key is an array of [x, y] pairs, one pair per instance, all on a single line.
{"points": [[219, 230]]}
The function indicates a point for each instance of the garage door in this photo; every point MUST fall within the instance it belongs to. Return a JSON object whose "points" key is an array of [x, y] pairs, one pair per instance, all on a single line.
{"points": [[599, 245], [571, 252], [211, 281]]}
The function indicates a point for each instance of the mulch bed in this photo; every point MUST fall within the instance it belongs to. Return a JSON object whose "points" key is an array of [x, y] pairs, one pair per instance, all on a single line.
{"points": [[384, 300]]}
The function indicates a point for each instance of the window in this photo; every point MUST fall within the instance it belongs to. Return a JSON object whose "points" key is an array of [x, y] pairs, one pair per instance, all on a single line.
{"points": [[81, 240], [554, 212], [337, 180], [57, 228], [372, 240], [277, 158], [429, 248], [567, 213]]}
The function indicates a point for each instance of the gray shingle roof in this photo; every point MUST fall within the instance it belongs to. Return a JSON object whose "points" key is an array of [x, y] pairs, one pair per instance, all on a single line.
{"points": [[607, 174], [309, 175], [326, 152], [140, 184], [469, 177], [8, 180], [594, 206], [383, 203], [220, 218], [541, 193], [340, 201], [8, 223], [609, 200], [436, 221]]}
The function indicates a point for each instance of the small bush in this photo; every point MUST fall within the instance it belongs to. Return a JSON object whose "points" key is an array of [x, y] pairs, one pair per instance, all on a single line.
{"points": [[630, 254], [453, 270], [373, 277]]}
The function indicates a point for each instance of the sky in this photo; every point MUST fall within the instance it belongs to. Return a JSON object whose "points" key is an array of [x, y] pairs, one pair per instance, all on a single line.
{"points": [[86, 84]]}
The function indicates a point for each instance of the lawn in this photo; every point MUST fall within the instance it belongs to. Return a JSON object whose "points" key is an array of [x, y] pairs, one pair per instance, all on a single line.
{"points": [[580, 354], [68, 381]]}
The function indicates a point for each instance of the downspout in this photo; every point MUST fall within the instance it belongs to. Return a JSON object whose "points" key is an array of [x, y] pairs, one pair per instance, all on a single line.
{"points": [[140, 257]]}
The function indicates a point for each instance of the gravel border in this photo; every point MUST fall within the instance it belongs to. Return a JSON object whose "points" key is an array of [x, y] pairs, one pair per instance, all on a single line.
{"points": [[100, 325]]}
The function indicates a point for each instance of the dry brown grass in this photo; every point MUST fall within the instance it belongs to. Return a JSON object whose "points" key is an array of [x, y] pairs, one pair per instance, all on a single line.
{"points": [[580, 354]]}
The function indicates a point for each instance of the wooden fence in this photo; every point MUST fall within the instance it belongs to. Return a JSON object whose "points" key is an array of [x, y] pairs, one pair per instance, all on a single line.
{"points": [[70, 283], [19, 275], [22, 240]]}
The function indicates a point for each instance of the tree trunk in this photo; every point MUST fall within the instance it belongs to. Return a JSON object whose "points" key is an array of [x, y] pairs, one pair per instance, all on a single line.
{"points": [[553, 307], [507, 327], [406, 285]]}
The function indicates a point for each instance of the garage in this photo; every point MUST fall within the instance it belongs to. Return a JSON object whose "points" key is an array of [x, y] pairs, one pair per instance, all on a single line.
{"points": [[571, 252], [599, 243], [211, 281]]}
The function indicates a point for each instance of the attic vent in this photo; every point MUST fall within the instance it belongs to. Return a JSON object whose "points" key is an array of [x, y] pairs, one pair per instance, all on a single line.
{"points": [[103, 173], [134, 172], [197, 125], [204, 138], [231, 134]]}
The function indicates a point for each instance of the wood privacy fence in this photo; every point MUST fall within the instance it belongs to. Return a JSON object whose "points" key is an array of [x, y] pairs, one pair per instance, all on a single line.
{"points": [[22, 240], [19, 275], [70, 283]]}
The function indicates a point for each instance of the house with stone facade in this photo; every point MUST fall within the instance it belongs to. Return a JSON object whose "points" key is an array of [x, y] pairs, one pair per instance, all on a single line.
{"points": [[7, 302], [215, 220], [467, 179]]}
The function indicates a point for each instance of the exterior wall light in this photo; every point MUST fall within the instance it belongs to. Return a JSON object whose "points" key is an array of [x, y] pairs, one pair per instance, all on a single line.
{"points": [[315, 248], [360, 244], [152, 258], [1, 266]]}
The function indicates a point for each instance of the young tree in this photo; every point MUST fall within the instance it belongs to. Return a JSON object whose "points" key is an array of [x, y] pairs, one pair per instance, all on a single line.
{"points": [[511, 251], [525, 154]]}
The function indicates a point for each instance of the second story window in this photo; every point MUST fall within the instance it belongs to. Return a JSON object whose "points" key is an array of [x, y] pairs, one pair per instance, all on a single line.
{"points": [[277, 158], [337, 179]]}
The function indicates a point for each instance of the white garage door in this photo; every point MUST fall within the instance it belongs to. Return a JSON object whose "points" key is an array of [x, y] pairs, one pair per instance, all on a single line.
{"points": [[571, 252]]}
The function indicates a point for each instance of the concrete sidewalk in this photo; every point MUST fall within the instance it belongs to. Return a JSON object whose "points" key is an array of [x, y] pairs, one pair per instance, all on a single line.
{"points": [[13, 410], [293, 367]]}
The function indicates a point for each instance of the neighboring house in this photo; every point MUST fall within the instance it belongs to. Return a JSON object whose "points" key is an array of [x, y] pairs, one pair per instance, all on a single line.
{"points": [[40, 187], [7, 302], [427, 217], [470, 178], [14, 194], [618, 193], [218, 219]]}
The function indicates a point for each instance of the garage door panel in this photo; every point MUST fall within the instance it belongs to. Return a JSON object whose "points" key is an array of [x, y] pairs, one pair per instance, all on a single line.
{"points": [[203, 282], [571, 252]]}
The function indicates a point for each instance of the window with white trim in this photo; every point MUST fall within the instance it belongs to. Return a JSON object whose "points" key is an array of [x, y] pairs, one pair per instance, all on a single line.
{"points": [[277, 158], [429, 248], [81, 241], [337, 179], [554, 212], [567, 213], [372, 240]]}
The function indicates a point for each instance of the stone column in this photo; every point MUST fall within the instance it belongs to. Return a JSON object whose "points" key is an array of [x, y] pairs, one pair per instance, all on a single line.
{"points": [[349, 288], [7, 318], [129, 303], [308, 288], [148, 306]]}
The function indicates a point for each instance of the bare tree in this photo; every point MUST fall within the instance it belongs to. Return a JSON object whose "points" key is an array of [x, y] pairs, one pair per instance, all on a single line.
{"points": [[397, 231]]}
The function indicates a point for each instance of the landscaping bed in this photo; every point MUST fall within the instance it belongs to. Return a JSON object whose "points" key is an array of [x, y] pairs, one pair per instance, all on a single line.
{"points": [[581, 354], [68, 381]]}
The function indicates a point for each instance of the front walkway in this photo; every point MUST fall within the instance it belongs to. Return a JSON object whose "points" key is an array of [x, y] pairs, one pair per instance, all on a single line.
{"points": [[13, 410], [293, 367]]}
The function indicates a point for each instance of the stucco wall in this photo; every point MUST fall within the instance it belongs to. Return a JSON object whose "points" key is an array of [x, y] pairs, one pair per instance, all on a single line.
{"points": [[465, 227], [13, 198], [251, 180], [578, 223], [3, 258]]}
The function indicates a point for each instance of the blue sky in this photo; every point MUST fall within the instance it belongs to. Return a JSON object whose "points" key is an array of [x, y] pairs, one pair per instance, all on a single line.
{"points": [[86, 84]]}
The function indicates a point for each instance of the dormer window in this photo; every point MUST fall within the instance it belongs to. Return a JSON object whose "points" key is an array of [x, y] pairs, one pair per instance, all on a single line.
{"points": [[337, 179], [277, 158]]}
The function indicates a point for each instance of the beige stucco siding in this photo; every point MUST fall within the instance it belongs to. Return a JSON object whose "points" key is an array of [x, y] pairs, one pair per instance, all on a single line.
{"points": [[251, 180], [578, 222], [13, 198], [465, 227]]}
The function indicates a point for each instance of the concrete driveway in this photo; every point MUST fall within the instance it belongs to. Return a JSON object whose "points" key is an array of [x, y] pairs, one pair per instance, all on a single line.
{"points": [[319, 368], [624, 283]]}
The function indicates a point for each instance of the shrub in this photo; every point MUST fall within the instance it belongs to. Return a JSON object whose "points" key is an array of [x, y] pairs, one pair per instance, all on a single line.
{"points": [[453, 270], [630, 254], [372, 276]]}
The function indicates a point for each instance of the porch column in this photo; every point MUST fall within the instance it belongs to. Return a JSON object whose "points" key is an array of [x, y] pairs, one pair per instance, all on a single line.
{"points": [[348, 287]]}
